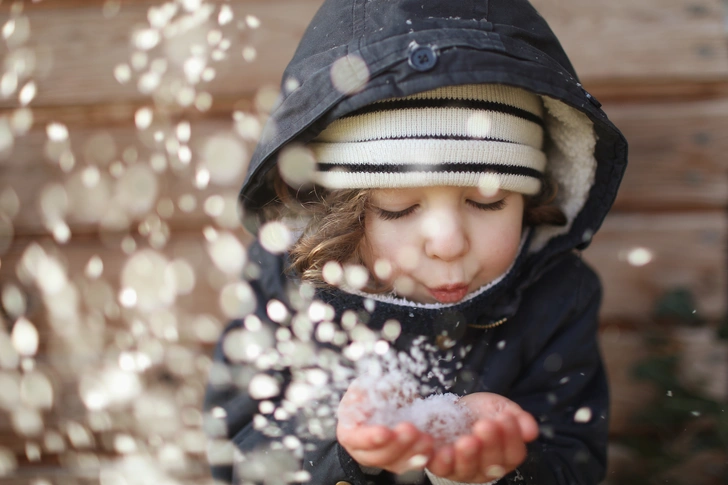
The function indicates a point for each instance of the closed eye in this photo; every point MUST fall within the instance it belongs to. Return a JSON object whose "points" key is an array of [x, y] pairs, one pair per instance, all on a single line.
{"points": [[493, 206], [390, 216]]}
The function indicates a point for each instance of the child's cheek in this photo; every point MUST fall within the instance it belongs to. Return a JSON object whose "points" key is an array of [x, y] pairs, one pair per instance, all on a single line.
{"points": [[391, 241], [406, 258]]}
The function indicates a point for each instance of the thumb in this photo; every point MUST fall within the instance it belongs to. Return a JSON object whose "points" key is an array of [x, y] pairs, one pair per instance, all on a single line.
{"points": [[354, 408], [528, 425]]}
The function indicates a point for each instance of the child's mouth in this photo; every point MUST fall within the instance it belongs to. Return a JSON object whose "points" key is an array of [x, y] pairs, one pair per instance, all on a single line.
{"points": [[449, 293]]}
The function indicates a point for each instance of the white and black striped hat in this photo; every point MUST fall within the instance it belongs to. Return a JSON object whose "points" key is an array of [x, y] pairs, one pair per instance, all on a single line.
{"points": [[448, 136]]}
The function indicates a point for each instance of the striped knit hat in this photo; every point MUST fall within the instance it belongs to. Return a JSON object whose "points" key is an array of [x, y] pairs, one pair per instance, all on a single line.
{"points": [[452, 136]]}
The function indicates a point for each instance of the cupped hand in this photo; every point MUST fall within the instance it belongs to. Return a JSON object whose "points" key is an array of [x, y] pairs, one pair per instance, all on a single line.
{"points": [[396, 450], [496, 447]]}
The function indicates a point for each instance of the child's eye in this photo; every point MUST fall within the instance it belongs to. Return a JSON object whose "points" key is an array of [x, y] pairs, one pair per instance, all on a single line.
{"points": [[493, 206], [390, 216]]}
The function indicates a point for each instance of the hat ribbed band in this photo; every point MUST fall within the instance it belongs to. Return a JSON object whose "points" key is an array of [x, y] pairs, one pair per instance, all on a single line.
{"points": [[499, 93], [454, 123], [448, 136], [428, 151], [353, 180]]}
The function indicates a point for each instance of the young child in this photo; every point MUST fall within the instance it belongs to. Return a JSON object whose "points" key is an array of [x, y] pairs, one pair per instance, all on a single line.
{"points": [[448, 149]]}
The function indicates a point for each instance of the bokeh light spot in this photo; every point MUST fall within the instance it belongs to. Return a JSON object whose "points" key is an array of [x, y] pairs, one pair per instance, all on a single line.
{"points": [[356, 276], [237, 300], [146, 272], [639, 256], [332, 273], [275, 237], [25, 337], [297, 165], [479, 125], [583, 415], [57, 132], [349, 74], [227, 253], [225, 157], [489, 184], [263, 386], [225, 16], [252, 21]]}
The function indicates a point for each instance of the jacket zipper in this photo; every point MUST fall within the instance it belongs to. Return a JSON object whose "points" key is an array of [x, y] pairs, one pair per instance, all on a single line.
{"points": [[487, 326]]}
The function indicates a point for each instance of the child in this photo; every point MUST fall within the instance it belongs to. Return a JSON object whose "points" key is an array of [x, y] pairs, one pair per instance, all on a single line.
{"points": [[448, 148]]}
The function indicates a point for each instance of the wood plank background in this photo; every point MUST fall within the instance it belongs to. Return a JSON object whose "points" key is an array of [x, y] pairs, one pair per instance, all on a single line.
{"points": [[623, 42], [659, 66]]}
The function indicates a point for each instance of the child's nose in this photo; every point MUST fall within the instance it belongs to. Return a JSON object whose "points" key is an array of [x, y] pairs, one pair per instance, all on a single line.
{"points": [[446, 236]]}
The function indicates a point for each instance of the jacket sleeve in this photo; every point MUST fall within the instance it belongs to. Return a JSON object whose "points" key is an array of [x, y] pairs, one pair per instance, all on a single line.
{"points": [[564, 385], [255, 441], [259, 451]]}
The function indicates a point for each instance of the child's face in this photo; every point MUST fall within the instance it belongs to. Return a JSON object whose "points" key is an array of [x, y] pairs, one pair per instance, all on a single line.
{"points": [[446, 241]]}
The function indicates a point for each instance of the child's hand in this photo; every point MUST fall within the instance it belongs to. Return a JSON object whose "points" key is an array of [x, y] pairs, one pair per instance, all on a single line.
{"points": [[396, 450], [496, 447]]}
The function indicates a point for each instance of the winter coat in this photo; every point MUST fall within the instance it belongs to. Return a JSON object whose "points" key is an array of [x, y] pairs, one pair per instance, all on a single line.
{"points": [[531, 337]]}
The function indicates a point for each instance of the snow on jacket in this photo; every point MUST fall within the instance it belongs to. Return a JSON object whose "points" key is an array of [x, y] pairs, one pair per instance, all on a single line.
{"points": [[532, 336]]}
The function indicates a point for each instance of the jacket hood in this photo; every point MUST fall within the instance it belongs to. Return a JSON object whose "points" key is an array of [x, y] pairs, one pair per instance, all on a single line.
{"points": [[356, 52]]}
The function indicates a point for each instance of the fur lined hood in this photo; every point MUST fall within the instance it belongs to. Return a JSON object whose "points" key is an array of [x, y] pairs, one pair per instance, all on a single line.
{"points": [[356, 52]]}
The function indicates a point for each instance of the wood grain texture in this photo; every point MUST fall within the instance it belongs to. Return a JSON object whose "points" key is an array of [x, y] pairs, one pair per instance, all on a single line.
{"points": [[687, 251], [656, 90], [28, 171], [100, 330], [665, 39], [620, 41], [95, 293], [676, 155], [78, 50], [622, 351]]}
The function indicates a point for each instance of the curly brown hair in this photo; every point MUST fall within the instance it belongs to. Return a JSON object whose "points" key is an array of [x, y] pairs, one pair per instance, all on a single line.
{"points": [[335, 228]]}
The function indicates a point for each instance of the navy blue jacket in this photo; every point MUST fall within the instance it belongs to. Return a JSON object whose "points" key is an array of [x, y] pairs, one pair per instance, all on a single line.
{"points": [[544, 355]]}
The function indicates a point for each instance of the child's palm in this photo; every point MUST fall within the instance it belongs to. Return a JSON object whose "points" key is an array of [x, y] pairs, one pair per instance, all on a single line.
{"points": [[496, 445], [379, 446]]}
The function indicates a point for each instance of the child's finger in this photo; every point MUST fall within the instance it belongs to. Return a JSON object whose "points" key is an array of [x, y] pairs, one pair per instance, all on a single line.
{"points": [[513, 448], [442, 463], [467, 458], [487, 432], [490, 433], [364, 437], [396, 460], [527, 424], [407, 442]]}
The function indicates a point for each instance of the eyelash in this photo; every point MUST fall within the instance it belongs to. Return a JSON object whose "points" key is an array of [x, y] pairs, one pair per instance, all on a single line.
{"points": [[390, 216]]}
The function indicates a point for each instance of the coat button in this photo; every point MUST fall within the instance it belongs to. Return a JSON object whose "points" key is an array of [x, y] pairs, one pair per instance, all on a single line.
{"points": [[423, 58]]}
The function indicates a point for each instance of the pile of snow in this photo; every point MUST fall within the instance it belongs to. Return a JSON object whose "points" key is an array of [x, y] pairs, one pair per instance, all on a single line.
{"points": [[392, 395]]}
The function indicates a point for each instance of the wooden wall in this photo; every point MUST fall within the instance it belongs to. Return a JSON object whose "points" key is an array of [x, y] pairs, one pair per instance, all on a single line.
{"points": [[660, 67]]}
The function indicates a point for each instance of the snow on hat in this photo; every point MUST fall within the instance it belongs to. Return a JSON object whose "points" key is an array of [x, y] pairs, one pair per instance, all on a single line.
{"points": [[454, 135]]}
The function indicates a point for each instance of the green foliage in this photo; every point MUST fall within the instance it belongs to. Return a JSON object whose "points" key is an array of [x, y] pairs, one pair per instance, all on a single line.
{"points": [[678, 424], [678, 306], [681, 436]]}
